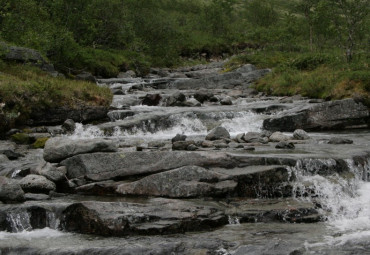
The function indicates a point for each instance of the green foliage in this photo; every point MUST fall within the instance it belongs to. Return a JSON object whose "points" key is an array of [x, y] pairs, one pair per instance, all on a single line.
{"points": [[309, 61], [24, 89]]}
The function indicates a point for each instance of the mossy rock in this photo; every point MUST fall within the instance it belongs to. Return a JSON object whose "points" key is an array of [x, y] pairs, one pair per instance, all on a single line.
{"points": [[21, 138], [40, 143]]}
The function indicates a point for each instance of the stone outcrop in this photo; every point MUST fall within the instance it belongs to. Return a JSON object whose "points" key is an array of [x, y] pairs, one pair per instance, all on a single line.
{"points": [[160, 216], [36, 184], [184, 182], [10, 190], [60, 148], [105, 166], [331, 115]]}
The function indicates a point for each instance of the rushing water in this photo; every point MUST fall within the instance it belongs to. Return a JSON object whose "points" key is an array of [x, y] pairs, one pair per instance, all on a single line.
{"points": [[188, 124]]}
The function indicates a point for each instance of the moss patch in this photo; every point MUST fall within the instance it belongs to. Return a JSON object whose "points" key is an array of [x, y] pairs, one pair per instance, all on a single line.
{"points": [[21, 138], [40, 143]]}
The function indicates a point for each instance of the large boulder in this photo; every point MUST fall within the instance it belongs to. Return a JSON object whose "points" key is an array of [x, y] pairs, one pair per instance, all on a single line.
{"points": [[59, 148], [176, 99], [218, 133], [152, 99], [20, 54], [10, 190], [37, 184], [50, 172], [188, 181], [159, 216], [105, 166], [324, 116]]}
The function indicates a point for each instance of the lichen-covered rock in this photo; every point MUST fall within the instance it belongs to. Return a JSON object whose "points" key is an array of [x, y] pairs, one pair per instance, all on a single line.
{"points": [[159, 216], [331, 115], [10, 190], [60, 148], [188, 181], [37, 184], [105, 166], [278, 137], [300, 134], [217, 134]]}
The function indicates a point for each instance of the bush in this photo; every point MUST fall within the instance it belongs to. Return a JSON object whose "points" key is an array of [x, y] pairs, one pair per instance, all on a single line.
{"points": [[309, 61]]}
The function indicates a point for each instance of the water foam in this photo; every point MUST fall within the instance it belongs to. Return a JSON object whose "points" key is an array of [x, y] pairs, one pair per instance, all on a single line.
{"points": [[190, 124], [30, 235], [344, 200]]}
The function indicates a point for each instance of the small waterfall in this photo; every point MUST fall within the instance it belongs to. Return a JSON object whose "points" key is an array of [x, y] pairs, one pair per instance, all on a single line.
{"points": [[19, 221], [343, 198], [86, 132], [233, 220]]}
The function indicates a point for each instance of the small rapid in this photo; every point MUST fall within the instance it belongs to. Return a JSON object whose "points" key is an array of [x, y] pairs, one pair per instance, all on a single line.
{"points": [[190, 124], [342, 198]]}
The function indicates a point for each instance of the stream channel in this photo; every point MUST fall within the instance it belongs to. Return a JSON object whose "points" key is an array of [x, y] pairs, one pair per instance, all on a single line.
{"points": [[227, 195]]}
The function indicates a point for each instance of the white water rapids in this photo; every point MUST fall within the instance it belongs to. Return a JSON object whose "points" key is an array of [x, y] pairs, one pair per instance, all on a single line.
{"points": [[345, 201], [190, 125]]}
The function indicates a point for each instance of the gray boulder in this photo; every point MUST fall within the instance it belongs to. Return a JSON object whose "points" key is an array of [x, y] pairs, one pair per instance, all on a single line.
{"points": [[285, 145], [50, 172], [176, 99], [20, 54], [158, 216], [339, 140], [226, 101], [105, 166], [3, 158], [217, 134], [184, 182], [152, 99], [300, 134], [59, 148], [181, 145], [10, 190], [246, 68], [192, 102], [331, 115], [69, 125], [178, 137], [203, 96], [254, 137], [278, 137], [36, 184]]}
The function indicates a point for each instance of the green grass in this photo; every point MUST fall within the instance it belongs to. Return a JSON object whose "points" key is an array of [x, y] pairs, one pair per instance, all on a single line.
{"points": [[313, 75], [24, 89]]}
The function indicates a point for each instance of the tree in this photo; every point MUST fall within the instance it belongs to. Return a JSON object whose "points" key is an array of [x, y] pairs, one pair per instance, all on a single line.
{"points": [[307, 8], [350, 22]]}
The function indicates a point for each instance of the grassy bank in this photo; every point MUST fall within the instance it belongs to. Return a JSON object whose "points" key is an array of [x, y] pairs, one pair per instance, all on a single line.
{"points": [[315, 75], [25, 88]]}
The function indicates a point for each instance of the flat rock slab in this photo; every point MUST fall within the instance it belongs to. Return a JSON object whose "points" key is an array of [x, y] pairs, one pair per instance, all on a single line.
{"points": [[273, 210], [160, 216], [260, 181], [324, 116], [105, 166], [184, 182], [59, 148]]}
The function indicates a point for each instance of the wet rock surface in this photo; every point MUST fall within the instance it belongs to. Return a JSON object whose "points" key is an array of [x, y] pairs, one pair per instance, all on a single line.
{"points": [[185, 167]]}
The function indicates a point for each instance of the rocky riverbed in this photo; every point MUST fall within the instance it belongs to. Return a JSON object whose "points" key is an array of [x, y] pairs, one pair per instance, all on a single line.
{"points": [[192, 161]]}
